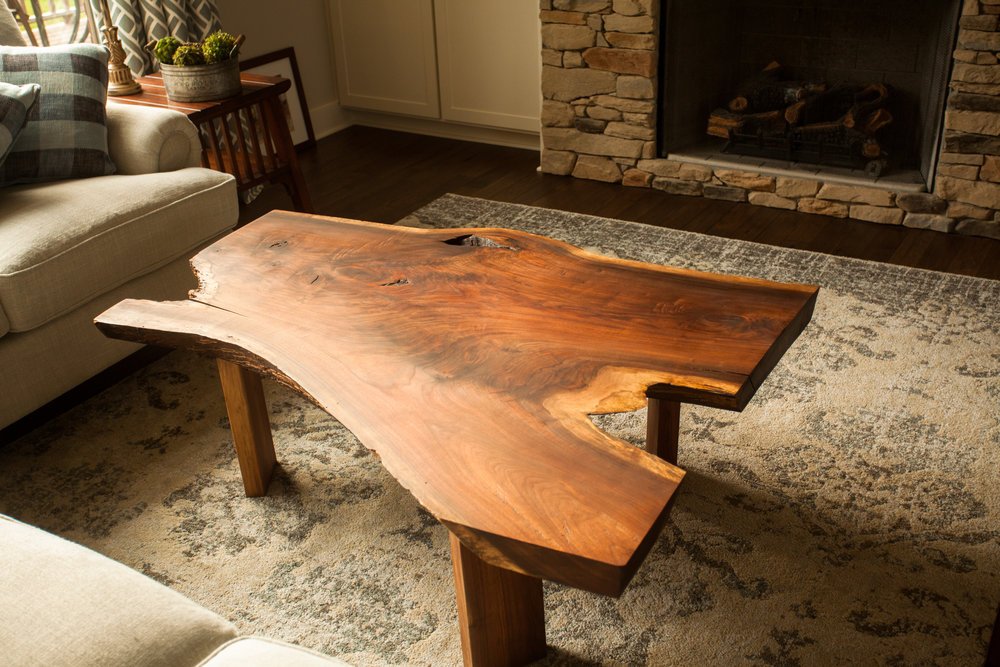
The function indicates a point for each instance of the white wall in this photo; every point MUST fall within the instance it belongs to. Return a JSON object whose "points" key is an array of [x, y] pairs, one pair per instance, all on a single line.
{"points": [[270, 26], [304, 25]]}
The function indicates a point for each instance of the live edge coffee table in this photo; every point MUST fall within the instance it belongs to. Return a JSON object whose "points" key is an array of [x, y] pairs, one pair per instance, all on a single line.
{"points": [[469, 360]]}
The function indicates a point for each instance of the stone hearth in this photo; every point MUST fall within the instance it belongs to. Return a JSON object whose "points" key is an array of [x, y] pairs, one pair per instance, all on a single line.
{"points": [[599, 119]]}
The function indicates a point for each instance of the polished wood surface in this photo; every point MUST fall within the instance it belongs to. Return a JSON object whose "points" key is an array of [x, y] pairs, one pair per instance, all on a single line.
{"points": [[256, 87], [501, 613], [470, 359], [250, 425]]}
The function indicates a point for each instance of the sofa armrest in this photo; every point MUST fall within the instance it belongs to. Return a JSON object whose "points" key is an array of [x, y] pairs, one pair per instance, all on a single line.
{"points": [[64, 604], [147, 140]]}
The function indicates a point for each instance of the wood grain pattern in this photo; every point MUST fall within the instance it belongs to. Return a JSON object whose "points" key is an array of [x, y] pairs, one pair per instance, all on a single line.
{"points": [[470, 359], [256, 87], [501, 614], [250, 425]]}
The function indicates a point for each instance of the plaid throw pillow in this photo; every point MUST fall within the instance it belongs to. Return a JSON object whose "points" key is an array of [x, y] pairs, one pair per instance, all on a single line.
{"points": [[66, 135], [15, 101]]}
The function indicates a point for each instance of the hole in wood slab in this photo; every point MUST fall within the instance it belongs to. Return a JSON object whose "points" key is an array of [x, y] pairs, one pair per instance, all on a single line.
{"points": [[279, 244], [397, 282], [477, 242]]}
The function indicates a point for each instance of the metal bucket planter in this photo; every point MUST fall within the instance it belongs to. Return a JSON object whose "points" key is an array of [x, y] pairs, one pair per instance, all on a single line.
{"points": [[200, 83]]}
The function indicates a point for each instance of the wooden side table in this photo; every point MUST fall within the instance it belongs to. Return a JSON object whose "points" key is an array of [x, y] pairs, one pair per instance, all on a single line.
{"points": [[246, 135]]}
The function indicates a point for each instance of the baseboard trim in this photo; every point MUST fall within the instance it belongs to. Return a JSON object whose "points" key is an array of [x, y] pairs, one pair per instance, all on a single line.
{"points": [[328, 119], [442, 129]]}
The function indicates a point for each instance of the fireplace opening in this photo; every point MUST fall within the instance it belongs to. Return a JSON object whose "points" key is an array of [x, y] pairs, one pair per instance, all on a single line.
{"points": [[713, 51]]}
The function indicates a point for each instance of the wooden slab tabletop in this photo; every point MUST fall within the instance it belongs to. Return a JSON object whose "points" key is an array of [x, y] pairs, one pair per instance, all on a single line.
{"points": [[469, 360]]}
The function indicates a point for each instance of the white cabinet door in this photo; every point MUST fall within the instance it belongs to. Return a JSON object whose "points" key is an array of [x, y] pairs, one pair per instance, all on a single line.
{"points": [[385, 55], [489, 62]]}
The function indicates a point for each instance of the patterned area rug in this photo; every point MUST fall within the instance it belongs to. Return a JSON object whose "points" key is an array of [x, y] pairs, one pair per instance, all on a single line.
{"points": [[850, 515]]}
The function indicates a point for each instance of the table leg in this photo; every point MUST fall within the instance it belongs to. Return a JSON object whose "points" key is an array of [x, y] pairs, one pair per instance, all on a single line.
{"points": [[663, 425], [295, 183], [250, 425], [500, 612]]}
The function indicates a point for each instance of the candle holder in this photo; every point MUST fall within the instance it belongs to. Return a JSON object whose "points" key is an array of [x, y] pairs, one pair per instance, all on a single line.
{"points": [[120, 81]]}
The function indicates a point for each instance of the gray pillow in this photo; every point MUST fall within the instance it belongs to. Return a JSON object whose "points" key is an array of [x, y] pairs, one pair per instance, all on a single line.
{"points": [[66, 135], [15, 101]]}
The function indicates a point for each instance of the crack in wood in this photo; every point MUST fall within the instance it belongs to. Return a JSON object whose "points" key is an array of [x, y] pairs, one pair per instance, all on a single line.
{"points": [[397, 282]]}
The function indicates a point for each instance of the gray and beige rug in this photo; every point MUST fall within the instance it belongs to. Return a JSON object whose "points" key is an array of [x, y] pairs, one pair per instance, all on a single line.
{"points": [[850, 515]]}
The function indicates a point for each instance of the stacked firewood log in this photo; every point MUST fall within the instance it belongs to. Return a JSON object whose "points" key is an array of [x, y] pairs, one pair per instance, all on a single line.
{"points": [[846, 116]]}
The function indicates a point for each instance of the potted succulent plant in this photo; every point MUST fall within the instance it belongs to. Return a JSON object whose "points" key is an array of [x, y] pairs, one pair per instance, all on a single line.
{"points": [[198, 72]]}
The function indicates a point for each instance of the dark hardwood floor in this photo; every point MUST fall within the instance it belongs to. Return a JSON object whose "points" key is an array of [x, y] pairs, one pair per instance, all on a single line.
{"points": [[379, 175]]}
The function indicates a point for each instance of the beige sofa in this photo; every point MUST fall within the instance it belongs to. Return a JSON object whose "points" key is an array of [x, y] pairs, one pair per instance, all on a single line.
{"points": [[65, 605], [70, 249]]}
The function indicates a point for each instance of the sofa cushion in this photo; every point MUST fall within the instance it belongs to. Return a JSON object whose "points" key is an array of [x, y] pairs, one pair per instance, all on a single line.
{"points": [[61, 244], [67, 605], [259, 652], [10, 34], [57, 356], [15, 102], [66, 135]]}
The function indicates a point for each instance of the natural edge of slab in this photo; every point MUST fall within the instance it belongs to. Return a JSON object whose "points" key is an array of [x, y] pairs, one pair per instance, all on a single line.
{"points": [[579, 572]]}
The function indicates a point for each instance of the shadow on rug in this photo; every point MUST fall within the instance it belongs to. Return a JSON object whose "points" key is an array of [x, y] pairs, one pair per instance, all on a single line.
{"points": [[850, 514]]}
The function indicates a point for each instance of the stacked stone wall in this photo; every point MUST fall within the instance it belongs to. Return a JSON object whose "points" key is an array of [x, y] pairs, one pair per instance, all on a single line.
{"points": [[599, 79]]}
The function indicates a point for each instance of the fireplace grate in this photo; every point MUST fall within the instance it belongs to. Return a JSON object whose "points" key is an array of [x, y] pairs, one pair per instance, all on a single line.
{"points": [[836, 148], [806, 121]]}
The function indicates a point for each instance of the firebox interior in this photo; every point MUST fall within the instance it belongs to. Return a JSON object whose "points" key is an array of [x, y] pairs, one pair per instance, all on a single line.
{"points": [[710, 46]]}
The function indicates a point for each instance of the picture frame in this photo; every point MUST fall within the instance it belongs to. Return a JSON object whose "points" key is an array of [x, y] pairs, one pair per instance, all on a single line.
{"points": [[283, 63]]}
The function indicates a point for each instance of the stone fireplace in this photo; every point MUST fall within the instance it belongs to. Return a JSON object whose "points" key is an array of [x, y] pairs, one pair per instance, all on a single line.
{"points": [[617, 109]]}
